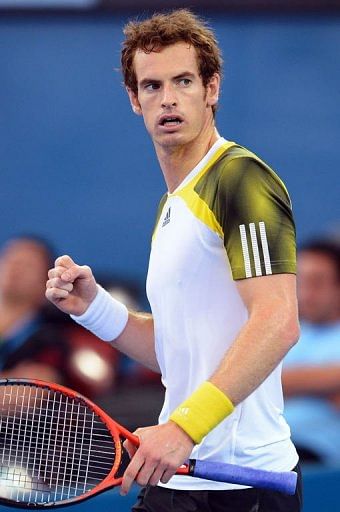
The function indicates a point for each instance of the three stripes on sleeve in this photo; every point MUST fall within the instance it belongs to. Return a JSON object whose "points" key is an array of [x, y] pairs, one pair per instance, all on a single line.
{"points": [[255, 252]]}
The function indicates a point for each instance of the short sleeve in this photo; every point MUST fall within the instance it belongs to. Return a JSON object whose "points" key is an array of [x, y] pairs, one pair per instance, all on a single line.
{"points": [[254, 210]]}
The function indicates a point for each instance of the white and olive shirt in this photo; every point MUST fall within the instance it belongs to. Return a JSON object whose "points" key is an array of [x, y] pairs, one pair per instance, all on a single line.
{"points": [[229, 219]]}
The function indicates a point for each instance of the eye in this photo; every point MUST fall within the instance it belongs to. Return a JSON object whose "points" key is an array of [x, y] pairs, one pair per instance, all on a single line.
{"points": [[152, 86], [184, 82]]}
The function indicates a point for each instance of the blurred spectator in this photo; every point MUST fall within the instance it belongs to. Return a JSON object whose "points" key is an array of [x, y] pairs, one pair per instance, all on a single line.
{"points": [[311, 372], [36, 340], [30, 345]]}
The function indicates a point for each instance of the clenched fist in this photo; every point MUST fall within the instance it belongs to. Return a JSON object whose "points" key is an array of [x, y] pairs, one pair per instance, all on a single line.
{"points": [[70, 287]]}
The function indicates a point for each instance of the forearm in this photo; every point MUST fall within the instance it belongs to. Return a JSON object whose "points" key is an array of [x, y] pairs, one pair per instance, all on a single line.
{"points": [[138, 341], [311, 380], [258, 349], [271, 330]]}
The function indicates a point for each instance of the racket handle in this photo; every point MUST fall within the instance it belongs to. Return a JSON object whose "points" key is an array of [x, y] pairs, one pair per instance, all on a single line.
{"points": [[276, 481]]}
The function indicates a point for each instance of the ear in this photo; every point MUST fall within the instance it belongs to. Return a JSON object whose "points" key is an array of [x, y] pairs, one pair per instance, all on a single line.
{"points": [[213, 90], [135, 105]]}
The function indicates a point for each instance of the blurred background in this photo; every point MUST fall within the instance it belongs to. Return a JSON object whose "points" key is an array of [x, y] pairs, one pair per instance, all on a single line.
{"points": [[78, 174]]}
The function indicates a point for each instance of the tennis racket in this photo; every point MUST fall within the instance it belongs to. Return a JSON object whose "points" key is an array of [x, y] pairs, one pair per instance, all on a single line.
{"points": [[58, 448]]}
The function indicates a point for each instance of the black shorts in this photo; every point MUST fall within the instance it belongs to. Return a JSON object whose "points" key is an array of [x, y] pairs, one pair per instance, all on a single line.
{"points": [[160, 499]]}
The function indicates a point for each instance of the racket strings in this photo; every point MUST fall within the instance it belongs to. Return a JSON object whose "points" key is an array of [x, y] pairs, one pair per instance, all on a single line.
{"points": [[53, 447]]}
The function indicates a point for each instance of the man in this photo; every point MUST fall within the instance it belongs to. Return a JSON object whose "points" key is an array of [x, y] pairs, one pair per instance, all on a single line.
{"points": [[31, 345], [221, 283], [311, 376]]}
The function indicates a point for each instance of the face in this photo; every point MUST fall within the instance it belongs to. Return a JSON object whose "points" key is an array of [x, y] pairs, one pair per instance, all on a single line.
{"points": [[175, 105], [23, 272], [318, 288]]}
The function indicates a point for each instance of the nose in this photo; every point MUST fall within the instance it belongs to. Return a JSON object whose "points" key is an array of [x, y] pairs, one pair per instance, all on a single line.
{"points": [[169, 99]]}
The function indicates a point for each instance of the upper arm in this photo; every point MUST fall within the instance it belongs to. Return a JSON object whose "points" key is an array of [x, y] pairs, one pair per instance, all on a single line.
{"points": [[275, 291], [254, 210], [272, 299]]}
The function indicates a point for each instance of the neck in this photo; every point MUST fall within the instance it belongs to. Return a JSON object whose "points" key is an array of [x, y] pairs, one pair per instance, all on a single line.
{"points": [[177, 162]]}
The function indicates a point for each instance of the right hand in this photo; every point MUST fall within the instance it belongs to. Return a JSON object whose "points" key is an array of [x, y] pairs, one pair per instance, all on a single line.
{"points": [[70, 287]]}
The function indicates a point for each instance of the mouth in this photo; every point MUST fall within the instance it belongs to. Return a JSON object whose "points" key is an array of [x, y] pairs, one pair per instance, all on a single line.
{"points": [[170, 121]]}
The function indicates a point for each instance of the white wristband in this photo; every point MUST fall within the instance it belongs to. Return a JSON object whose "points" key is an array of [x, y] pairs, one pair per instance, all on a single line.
{"points": [[105, 317]]}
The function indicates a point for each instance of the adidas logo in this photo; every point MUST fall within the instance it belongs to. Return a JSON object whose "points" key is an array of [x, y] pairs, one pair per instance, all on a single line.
{"points": [[166, 218]]}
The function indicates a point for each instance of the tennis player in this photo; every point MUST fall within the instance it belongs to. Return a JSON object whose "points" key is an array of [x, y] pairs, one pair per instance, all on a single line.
{"points": [[221, 284]]}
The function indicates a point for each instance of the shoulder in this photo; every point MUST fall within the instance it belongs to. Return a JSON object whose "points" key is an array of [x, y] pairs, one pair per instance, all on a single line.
{"points": [[239, 167], [240, 180], [242, 171]]}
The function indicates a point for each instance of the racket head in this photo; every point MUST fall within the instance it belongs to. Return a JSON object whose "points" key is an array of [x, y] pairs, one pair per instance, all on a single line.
{"points": [[57, 446]]}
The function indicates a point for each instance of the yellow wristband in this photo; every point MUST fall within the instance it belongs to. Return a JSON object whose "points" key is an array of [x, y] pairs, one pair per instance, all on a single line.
{"points": [[202, 411]]}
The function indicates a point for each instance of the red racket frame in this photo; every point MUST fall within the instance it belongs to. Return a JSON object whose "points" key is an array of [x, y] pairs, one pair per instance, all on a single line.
{"points": [[117, 431]]}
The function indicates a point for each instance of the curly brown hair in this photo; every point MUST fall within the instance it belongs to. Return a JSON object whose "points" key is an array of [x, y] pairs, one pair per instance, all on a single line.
{"points": [[165, 29]]}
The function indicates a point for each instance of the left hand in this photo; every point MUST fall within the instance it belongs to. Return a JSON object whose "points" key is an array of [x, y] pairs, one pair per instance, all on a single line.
{"points": [[162, 450]]}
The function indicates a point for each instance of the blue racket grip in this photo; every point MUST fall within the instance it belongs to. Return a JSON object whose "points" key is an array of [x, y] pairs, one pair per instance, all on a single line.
{"points": [[230, 473]]}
